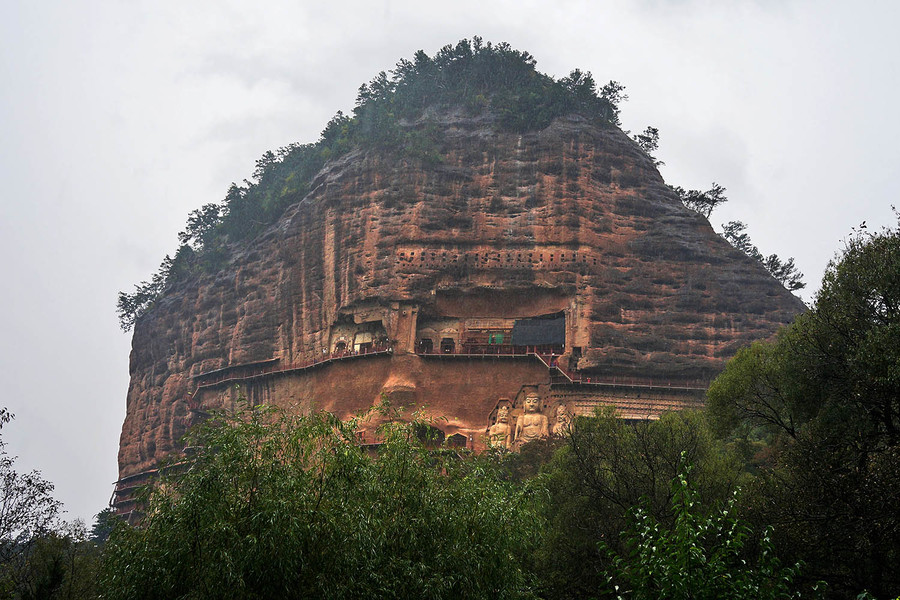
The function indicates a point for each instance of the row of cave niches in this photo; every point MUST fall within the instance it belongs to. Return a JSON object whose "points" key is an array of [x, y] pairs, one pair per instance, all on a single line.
{"points": [[514, 258]]}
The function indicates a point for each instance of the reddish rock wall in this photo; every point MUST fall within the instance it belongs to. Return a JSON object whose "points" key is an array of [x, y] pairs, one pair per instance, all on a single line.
{"points": [[574, 218]]}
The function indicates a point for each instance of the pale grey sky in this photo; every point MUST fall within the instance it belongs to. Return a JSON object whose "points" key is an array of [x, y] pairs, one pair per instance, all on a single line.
{"points": [[118, 118]]}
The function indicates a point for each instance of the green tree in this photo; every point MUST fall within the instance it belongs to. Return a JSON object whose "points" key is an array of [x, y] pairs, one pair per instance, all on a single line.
{"points": [[613, 94], [62, 564], [609, 466], [293, 507], [648, 141], [702, 555], [784, 271], [28, 511], [40, 557], [827, 394], [201, 224], [703, 202], [105, 523]]}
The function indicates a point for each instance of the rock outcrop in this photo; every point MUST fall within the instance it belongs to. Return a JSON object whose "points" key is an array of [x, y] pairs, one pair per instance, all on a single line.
{"points": [[394, 274]]}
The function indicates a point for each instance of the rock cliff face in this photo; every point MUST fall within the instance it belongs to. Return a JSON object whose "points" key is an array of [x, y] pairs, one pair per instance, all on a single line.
{"points": [[570, 227]]}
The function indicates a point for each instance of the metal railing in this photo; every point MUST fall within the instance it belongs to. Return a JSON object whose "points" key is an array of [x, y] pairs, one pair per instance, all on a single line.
{"points": [[551, 361]]}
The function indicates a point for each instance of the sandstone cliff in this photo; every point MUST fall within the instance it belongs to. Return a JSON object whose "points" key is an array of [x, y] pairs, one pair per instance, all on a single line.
{"points": [[571, 220]]}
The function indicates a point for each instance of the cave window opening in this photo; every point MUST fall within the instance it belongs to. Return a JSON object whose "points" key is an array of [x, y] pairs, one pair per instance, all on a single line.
{"points": [[430, 436], [448, 346], [576, 357], [426, 346], [457, 440]]}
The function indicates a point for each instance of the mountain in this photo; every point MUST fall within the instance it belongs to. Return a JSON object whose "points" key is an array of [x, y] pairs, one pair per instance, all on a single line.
{"points": [[462, 261]]}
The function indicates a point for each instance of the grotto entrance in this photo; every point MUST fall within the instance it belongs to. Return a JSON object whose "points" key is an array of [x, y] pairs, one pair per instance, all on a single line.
{"points": [[448, 346]]}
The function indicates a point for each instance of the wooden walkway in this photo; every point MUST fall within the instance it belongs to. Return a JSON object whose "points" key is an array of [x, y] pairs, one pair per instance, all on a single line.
{"points": [[559, 374], [573, 377]]}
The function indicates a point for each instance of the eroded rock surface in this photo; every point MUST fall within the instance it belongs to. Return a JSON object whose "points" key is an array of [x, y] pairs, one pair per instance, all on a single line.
{"points": [[388, 252]]}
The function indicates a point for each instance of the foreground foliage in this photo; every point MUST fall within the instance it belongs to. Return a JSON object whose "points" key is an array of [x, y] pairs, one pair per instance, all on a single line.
{"points": [[607, 468], [818, 412], [703, 555], [41, 556], [28, 512], [296, 508]]}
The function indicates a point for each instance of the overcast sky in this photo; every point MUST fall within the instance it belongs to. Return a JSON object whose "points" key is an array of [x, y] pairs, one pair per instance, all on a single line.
{"points": [[118, 118]]}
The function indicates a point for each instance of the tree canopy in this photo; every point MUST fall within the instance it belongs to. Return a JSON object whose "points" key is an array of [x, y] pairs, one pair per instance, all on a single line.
{"points": [[28, 511], [608, 467], [294, 508], [825, 396], [701, 556]]}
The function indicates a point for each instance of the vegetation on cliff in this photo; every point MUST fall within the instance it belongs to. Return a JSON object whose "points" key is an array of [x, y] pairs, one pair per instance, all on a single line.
{"points": [[784, 271], [395, 114], [704, 203]]}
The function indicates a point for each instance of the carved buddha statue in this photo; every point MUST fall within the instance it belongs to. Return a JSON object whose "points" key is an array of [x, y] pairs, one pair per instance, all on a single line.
{"points": [[563, 420], [499, 432], [532, 425]]}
